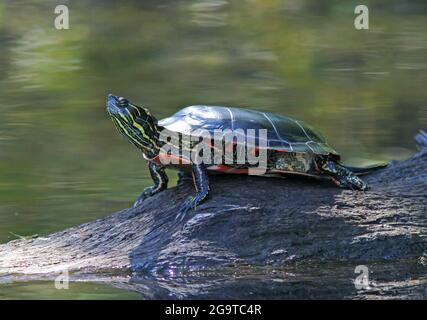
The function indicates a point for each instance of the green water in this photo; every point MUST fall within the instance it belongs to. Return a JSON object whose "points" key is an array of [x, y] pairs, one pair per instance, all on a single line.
{"points": [[61, 161], [46, 290]]}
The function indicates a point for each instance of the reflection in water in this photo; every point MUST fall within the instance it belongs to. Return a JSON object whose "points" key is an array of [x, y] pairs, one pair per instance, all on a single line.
{"points": [[207, 13], [61, 162], [312, 281], [37, 55]]}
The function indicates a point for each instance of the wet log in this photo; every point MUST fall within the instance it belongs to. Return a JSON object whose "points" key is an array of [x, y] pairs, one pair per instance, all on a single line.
{"points": [[254, 238]]}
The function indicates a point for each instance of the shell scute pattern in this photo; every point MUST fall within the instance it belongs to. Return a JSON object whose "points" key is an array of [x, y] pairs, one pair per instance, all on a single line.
{"points": [[283, 133]]}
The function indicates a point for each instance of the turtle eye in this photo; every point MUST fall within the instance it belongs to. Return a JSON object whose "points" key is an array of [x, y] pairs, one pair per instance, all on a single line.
{"points": [[123, 101]]}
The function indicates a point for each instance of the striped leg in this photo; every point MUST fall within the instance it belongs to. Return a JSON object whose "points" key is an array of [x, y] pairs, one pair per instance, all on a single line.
{"points": [[343, 177], [160, 179], [201, 182]]}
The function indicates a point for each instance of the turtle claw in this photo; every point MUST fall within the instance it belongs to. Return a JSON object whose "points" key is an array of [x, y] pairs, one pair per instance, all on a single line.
{"points": [[190, 203], [185, 207], [148, 192], [137, 203]]}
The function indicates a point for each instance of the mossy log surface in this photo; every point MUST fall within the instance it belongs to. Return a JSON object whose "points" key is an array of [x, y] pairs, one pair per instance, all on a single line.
{"points": [[254, 238]]}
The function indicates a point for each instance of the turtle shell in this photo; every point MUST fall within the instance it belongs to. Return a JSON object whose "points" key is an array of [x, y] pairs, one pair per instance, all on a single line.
{"points": [[283, 133]]}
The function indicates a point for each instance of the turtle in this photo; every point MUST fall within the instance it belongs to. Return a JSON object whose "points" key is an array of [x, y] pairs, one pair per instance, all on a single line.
{"points": [[290, 146]]}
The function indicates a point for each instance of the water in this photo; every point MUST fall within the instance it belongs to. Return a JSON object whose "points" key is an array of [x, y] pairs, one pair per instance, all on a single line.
{"points": [[61, 161], [76, 290]]}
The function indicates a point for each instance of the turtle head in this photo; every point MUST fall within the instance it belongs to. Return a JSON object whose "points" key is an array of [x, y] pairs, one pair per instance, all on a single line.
{"points": [[135, 123]]}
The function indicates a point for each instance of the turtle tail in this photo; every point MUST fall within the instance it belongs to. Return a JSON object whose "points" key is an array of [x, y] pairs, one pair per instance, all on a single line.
{"points": [[359, 171]]}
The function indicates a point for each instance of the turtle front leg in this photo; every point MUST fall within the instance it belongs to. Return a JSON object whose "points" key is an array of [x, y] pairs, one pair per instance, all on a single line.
{"points": [[201, 182], [160, 179], [341, 176]]}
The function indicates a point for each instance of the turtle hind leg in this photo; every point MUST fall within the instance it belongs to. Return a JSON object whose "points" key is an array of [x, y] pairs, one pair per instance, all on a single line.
{"points": [[341, 176]]}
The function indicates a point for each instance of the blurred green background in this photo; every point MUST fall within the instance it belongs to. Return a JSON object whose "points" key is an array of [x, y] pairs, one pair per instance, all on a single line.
{"points": [[62, 162]]}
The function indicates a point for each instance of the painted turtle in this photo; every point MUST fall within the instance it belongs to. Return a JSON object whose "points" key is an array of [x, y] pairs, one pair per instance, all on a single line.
{"points": [[291, 146]]}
